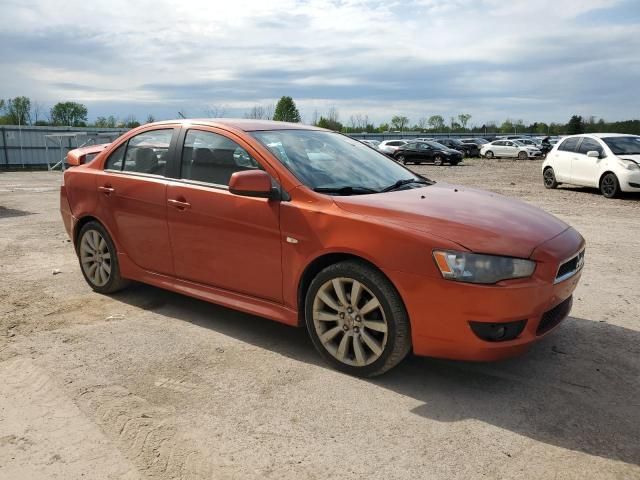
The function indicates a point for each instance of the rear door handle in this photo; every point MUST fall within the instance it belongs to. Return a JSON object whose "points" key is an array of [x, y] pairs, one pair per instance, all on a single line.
{"points": [[106, 189], [178, 204]]}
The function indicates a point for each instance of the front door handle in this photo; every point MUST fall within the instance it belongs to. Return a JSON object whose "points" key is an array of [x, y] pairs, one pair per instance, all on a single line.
{"points": [[178, 204], [107, 189]]}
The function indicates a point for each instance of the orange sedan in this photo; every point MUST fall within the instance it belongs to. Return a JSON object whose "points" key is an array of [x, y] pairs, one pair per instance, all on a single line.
{"points": [[309, 227]]}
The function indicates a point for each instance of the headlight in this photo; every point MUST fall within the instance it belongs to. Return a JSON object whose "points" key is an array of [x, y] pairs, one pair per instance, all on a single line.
{"points": [[477, 268], [629, 164]]}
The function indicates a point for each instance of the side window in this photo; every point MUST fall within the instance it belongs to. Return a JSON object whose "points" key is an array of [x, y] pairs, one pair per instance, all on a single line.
{"points": [[588, 145], [569, 145], [147, 152], [114, 162], [509, 144], [411, 146], [499, 143], [213, 158]]}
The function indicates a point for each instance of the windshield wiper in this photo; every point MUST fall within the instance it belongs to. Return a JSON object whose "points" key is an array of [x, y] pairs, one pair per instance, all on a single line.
{"points": [[346, 190], [403, 182]]}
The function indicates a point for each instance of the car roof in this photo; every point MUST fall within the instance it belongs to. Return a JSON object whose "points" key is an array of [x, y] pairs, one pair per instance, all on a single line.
{"points": [[242, 124], [602, 135]]}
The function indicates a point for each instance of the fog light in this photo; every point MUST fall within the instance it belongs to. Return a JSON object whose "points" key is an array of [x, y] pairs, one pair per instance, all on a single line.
{"points": [[497, 332]]}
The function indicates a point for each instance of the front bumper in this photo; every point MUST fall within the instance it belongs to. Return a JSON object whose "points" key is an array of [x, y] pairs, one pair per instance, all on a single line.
{"points": [[629, 181], [440, 310]]}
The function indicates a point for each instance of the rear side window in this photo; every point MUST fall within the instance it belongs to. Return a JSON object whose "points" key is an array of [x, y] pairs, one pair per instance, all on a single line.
{"points": [[114, 162], [499, 143], [411, 145], [569, 145], [588, 145], [213, 158], [147, 152]]}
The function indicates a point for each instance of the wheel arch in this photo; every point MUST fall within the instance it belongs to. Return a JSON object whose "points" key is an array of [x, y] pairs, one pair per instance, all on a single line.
{"points": [[82, 221], [606, 172], [320, 263]]}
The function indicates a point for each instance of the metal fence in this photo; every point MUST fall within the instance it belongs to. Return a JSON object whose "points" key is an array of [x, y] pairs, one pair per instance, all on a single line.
{"points": [[39, 147], [409, 135]]}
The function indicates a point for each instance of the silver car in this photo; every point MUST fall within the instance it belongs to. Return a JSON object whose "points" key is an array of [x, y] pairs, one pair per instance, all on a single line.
{"points": [[390, 146], [509, 149]]}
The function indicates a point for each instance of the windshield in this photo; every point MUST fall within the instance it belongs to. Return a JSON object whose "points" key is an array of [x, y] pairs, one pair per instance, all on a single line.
{"points": [[628, 145], [326, 161]]}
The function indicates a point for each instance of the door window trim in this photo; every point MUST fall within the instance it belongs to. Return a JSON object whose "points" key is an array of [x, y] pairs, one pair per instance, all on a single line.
{"points": [[170, 154]]}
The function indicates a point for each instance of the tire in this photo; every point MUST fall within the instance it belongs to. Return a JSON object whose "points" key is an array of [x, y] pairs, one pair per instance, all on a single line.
{"points": [[489, 154], [609, 186], [523, 156], [98, 259], [347, 340], [402, 159], [549, 178], [437, 160]]}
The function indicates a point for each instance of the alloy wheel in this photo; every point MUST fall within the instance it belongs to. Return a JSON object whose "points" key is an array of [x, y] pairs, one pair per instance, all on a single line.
{"points": [[350, 322], [95, 257]]}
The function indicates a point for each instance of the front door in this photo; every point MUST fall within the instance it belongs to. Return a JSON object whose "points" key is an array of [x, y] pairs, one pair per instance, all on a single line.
{"points": [[562, 157], [218, 238], [585, 170]]}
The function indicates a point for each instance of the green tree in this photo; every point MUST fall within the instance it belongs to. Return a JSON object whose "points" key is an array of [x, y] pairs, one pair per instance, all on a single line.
{"points": [[464, 119], [70, 114], [329, 124], [507, 126], [436, 122], [150, 119], [18, 109], [399, 122], [575, 125], [286, 110]]}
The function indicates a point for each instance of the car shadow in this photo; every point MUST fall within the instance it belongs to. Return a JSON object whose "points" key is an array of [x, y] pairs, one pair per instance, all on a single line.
{"points": [[578, 388], [596, 193]]}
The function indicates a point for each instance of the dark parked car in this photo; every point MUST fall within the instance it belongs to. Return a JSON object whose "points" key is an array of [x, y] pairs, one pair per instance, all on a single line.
{"points": [[467, 149], [476, 141], [424, 152]]}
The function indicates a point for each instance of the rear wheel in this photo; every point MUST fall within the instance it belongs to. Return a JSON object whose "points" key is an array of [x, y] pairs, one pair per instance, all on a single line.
{"points": [[549, 178], [489, 154], [523, 156], [356, 319], [609, 186], [402, 159], [98, 259]]}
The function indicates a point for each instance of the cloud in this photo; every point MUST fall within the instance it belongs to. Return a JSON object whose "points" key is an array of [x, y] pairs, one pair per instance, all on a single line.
{"points": [[542, 60]]}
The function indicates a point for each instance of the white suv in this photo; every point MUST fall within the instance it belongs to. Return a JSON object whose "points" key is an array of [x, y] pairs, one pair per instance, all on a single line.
{"points": [[509, 148], [608, 161], [390, 146]]}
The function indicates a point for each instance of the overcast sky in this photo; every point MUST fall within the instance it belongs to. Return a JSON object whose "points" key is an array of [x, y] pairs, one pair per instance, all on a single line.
{"points": [[533, 60]]}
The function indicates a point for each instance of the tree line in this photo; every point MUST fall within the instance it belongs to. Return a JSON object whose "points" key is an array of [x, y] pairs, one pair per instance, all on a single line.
{"points": [[22, 111]]}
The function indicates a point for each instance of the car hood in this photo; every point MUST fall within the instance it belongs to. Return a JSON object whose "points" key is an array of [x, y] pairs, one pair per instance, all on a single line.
{"points": [[635, 158], [480, 221]]}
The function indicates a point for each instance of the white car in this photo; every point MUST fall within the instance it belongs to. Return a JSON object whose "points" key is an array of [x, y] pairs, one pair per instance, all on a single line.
{"points": [[510, 149], [608, 161], [390, 146]]}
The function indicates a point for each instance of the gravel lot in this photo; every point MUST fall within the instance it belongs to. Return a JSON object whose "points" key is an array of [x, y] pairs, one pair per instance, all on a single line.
{"points": [[150, 384]]}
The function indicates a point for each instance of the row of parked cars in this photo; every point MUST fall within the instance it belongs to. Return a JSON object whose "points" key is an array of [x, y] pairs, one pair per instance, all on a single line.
{"points": [[452, 150]]}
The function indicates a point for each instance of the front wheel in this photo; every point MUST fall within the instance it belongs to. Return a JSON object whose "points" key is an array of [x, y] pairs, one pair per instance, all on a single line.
{"points": [[523, 156], [356, 319], [437, 160], [609, 186], [99, 259]]}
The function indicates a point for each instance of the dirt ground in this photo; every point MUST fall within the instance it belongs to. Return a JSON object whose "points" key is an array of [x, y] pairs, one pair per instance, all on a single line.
{"points": [[148, 384]]}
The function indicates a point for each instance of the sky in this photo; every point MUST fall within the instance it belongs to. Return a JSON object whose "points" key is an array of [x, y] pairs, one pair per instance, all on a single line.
{"points": [[541, 60]]}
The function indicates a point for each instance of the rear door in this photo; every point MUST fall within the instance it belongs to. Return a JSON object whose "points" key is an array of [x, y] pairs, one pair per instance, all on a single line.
{"points": [[585, 170], [498, 148], [132, 197], [562, 157], [218, 238]]}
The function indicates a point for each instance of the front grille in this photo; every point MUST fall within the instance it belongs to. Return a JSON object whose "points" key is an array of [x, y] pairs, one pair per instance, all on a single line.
{"points": [[554, 316], [570, 267]]}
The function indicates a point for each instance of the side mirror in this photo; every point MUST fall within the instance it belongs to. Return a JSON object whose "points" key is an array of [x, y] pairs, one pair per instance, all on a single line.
{"points": [[251, 183], [593, 154]]}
